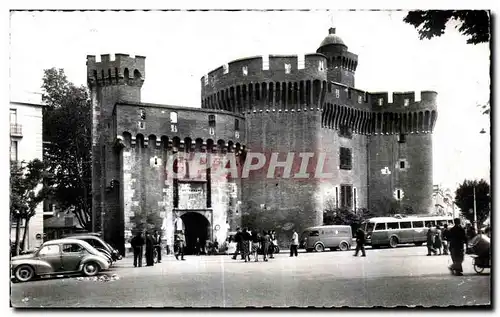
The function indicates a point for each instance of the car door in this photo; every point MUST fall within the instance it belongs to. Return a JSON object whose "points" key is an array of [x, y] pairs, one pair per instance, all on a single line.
{"points": [[72, 255], [51, 254]]}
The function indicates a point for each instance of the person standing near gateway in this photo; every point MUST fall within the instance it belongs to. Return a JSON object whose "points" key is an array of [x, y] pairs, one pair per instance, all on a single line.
{"points": [[458, 240], [149, 249], [137, 243], [360, 242], [295, 244], [157, 244], [180, 242]]}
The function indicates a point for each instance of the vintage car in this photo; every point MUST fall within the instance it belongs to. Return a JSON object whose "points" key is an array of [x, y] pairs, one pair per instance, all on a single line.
{"points": [[59, 257], [97, 242]]}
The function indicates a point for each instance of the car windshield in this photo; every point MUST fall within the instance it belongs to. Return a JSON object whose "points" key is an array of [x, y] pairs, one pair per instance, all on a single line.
{"points": [[369, 227]]}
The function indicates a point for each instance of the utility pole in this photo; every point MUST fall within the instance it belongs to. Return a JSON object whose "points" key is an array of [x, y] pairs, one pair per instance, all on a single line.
{"points": [[475, 213]]}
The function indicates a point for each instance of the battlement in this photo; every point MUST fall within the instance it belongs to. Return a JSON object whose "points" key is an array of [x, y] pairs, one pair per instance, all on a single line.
{"points": [[409, 100], [112, 70]]}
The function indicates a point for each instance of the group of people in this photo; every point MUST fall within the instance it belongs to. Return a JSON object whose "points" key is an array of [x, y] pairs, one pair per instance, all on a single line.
{"points": [[250, 242], [437, 240], [152, 242]]}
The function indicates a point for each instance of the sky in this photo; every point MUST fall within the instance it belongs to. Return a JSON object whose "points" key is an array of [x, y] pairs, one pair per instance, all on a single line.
{"points": [[181, 47]]}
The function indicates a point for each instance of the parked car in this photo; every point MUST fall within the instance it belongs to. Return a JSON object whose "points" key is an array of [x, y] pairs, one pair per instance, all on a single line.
{"points": [[61, 257], [98, 243]]}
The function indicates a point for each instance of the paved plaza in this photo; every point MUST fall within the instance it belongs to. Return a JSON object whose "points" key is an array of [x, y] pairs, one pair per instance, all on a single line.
{"points": [[386, 277]]}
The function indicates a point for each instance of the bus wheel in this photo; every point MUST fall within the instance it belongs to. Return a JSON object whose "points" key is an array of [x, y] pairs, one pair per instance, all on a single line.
{"points": [[418, 243], [319, 247], [393, 242]]}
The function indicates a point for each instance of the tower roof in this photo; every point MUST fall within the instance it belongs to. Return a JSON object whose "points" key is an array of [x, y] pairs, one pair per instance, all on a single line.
{"points": [[332, 38]]}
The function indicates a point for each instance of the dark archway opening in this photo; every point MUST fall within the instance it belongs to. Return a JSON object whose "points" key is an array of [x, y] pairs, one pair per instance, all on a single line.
{"points": [[196, 227]]}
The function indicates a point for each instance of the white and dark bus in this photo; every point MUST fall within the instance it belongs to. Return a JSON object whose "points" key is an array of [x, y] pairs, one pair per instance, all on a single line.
{"points": [[391, 231]]}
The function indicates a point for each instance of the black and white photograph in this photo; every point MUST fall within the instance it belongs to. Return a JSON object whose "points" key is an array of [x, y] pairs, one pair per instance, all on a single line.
{"points": [[250, 158]]}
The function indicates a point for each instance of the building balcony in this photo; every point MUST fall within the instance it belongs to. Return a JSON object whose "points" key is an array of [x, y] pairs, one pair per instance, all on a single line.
{"points": [[16, 130]]}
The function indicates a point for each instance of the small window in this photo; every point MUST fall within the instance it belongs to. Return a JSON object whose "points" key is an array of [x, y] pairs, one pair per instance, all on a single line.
{"points": [[380, 101], [345, 158], [50, 250], [206, 80], [72, 248], [399, 194], [349, 93], [337, 93], [245, 70], [173, 127], [225, 67], [405, 225], [173, 117], [211, 120], [402, 138], [314, 233], [288, 68], [431, 223], [418, 224], [402, 164], [141, 125], [13, 151], [265, 62], [380, 226], [321, 66], [392, 225], [301, 62], [236, 125], [142, 114], [360, 99], [211, 131], [329, 87], [237, 134], [345, 131], [406, 102]]}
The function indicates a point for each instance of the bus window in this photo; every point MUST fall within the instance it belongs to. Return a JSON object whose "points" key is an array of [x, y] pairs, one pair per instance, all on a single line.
{"points": [[405, 225], [369, 227], [432, 223], [314, 233], [393, 225], [450, 222], [418, 224], [441, 222], [380, 226]]}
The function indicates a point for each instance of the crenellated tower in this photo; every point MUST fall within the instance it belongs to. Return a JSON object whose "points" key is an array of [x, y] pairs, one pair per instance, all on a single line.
{"points": [[341, 63], [110, 81]]}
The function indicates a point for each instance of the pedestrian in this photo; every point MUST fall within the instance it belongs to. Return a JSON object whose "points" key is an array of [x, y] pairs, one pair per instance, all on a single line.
{"points": [[137, 244], [238, 240], [265, 244], [294, 244], [157, 244], [180, 243], [255, 245], [272, 241], [246, 238], [457, 239], [149, 249], [430, 241], [197, 247], [360, 242], [445, 234], [438, 240]]}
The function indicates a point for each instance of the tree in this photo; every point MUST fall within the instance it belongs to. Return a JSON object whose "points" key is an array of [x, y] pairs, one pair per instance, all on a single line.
{"points": [[475, 24], [26, 193], [464, 198], [67, 127]]}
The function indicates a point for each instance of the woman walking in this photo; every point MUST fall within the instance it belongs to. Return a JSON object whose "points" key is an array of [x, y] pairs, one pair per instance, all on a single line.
{"points": [[265, 244], [438, 244], [245, 241], [255, 245]]}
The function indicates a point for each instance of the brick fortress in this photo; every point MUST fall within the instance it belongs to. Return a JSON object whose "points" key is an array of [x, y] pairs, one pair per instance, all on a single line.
{"points": [[378, 151]]}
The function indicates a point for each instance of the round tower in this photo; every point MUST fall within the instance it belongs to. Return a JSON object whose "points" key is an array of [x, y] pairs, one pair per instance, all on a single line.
{"points": [[341, 63]]}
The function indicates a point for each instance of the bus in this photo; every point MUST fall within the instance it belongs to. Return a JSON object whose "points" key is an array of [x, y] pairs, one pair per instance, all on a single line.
{"points": [[391, 231]]}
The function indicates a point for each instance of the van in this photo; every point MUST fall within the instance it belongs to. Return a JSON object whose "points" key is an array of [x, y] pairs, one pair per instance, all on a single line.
{"points": [[321, 237]]}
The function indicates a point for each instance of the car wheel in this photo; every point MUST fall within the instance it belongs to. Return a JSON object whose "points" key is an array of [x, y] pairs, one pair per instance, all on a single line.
{"points": [[393, 242], [276, 249], [344, 246], [24, 273], [90, 268], [319, 247], [478, 269]]}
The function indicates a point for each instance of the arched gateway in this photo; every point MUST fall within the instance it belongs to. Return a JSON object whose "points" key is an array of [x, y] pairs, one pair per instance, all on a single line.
{"points": [[197, 225]]}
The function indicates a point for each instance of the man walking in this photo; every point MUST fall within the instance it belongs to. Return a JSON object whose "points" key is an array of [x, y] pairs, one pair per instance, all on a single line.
{"points": [[458, 240], [157, 245], [239, 243], [149, 250], [430, 241], [180, 246], [137, 243], [295, 244], [360, 242]]}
